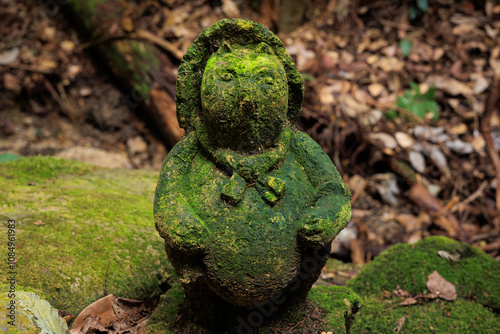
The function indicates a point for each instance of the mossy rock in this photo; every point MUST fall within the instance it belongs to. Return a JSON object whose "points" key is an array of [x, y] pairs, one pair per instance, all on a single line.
{"points": [[407, 267], [71, 219], [328, 309], [27, 312]]}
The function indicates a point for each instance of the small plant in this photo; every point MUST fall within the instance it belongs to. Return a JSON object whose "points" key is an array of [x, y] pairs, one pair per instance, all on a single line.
{"points": [[417, 103], [405, 45], [419, 8]]}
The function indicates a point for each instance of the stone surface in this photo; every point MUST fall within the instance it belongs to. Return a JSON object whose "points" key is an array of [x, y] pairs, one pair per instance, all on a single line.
{"points": [[71, 219], [247, 204], [30, 314]]}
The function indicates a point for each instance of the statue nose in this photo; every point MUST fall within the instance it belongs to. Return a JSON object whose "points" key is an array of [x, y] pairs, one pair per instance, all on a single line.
{"points": [[249, 91]]}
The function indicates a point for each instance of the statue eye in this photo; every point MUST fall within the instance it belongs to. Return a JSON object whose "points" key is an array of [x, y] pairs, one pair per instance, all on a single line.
{"points": [[269, 80], [227, 77]]}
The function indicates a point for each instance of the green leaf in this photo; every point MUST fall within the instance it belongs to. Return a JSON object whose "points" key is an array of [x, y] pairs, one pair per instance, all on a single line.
{"points": [[404, 101], [8, 157], [405, 45], [412, 13], [391, 114], [431, 93], [422, 5], [417, 103], [416, 89], [307, 77]]}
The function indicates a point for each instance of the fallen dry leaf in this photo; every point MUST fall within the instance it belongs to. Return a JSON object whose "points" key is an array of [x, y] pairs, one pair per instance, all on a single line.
{"points": [[409, 222], [404, 140], [480, 85], [11, 82], [399, 323], [442, 288], [375, 89], [449, 85], [230, 9], [408, 301], [389, 64], [112, 315], [7, 57], [350, 106], [417, 161], [449, 257], [384, 138], [419, 194], [495, 61]]}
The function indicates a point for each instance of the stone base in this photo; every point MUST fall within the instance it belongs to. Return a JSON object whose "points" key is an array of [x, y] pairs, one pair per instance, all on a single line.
{"points": [[328, 309]]}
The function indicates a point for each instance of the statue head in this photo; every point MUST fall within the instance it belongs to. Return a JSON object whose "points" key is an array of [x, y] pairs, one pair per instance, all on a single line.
{"points": [[237, 87]]}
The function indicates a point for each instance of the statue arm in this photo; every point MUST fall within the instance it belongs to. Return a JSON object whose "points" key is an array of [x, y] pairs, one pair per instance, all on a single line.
{"points": [[175, 219], [330, 209]]}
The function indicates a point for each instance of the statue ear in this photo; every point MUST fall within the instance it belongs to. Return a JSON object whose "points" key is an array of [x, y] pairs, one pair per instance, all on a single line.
{"points": [[265, 48], [224, 48]]}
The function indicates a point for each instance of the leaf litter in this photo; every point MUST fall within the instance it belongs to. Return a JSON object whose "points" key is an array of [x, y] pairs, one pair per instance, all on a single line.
{"points": [[113, 315]]}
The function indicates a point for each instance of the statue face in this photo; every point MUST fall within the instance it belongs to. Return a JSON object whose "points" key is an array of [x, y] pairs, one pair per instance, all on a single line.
{"points": [[244, 96]]}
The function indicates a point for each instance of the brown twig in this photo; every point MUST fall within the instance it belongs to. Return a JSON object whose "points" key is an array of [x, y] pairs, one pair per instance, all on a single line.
{"points": [[70, 110], [106, 280], [296, 325], [359, 191], [490, 107], [139, 34], [471, 198], [167, 46]]}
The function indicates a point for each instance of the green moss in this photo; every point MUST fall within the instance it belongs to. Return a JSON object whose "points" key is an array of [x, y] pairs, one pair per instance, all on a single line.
{"points": [[86, 11], [245, 203], [437, 316], [244, 91], [71, 220], [229, 32], [406, 266], [134, 60], [163, 317], [40, 168], [340, 304]]}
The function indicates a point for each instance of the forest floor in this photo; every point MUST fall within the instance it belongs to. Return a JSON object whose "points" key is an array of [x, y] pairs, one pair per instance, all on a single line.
{"points": [[406, 108]]}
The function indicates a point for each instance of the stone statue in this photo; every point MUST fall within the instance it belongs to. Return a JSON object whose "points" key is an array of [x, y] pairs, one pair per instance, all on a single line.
{"points": [[247, 204]]}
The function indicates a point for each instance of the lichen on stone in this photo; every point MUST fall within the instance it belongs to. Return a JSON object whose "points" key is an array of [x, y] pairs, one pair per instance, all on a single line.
{"points": [[245, 201]]}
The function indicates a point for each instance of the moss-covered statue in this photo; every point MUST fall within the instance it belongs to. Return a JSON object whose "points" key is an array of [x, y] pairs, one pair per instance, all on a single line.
{"points": [[245, 202]]}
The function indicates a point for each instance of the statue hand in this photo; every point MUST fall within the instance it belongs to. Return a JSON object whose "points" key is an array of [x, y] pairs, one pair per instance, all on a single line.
{"points": [[184, 230]]}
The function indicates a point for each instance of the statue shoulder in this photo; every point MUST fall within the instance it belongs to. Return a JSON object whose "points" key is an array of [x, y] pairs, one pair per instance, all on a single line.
{"points": [[313, 159], [181, 156]]}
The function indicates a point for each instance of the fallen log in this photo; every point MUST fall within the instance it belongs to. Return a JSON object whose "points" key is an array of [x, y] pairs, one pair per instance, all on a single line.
{"points": [[140, 61]]}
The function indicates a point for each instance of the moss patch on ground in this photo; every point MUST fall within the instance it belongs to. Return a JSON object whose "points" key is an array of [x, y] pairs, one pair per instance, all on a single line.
{"points": [[436, 316], [341, 305], [71, 220], [406, 268], [164, 316]]}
